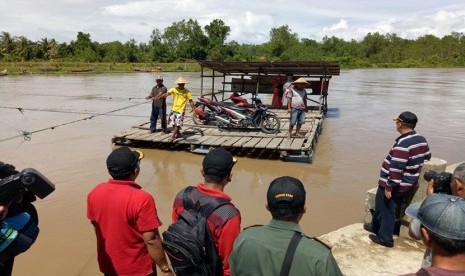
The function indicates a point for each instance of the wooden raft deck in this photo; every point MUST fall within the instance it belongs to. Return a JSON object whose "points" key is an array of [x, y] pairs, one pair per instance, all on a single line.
{"points": [[200, 136]]}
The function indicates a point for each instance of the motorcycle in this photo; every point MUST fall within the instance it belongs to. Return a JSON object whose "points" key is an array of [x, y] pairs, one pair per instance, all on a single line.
{"points": [[206, 110], [258, 117], [237, 115]]}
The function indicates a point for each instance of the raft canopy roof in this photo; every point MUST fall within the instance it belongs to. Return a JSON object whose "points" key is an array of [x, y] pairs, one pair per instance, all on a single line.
{"points": [[298, 68]]}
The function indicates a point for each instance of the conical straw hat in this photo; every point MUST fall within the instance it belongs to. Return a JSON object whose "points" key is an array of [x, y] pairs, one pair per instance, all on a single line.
{"points": [[300, 80], [181, 80]]}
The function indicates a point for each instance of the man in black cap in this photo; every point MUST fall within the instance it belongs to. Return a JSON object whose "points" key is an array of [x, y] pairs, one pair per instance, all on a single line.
{"points": [[281, 248], [225, 222], [125, 220], [398, 177]]}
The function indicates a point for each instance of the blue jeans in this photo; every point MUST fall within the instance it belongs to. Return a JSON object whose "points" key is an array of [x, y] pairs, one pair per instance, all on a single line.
{"points": [[156, 112], [384, 218], [297, 116]]}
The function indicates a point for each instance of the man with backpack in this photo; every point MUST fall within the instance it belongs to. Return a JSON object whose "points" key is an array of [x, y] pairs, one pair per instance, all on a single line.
{"points": [[281, 248], [204, 208]]}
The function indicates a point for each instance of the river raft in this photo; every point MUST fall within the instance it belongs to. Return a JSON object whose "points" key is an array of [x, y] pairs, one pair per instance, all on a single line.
{"points": [[249, 79]]}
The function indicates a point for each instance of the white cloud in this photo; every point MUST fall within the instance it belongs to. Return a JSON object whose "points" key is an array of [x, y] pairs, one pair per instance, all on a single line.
{"points": [[341, 25], [439, 24], [249, 27], [250, 21]]}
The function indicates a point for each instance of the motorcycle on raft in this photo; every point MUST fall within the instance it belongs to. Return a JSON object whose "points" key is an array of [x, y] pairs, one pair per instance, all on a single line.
{"points": [[237, 115]]}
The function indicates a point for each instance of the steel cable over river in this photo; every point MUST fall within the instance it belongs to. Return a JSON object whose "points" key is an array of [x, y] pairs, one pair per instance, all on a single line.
{"points": [[27, 134]]}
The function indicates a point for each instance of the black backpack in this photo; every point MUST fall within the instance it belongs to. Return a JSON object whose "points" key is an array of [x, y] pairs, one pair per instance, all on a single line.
{"points": [[189, 243]]}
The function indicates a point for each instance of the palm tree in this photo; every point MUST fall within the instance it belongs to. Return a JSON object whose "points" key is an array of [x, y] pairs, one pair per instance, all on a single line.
{"points": [[6, 44], [23, 48], [49, 48]]}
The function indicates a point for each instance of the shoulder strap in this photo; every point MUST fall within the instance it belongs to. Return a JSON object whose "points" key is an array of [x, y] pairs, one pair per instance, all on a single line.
{"points": [[323, 243], [254, 225], [206, 209], [290, 254], [327, 245], [186, 202]]}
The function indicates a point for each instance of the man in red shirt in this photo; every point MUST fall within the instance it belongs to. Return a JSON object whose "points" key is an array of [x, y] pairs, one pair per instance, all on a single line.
{"points": [[125, 220], [225, 221]]}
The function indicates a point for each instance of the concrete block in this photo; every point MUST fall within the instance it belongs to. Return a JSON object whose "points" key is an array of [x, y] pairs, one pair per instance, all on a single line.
{"points": [[370, 204], [403, 232], [357, 255]]}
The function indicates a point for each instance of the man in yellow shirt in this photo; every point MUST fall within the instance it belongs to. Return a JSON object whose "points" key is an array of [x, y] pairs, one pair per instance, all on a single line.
{"points": [[181, 96]]}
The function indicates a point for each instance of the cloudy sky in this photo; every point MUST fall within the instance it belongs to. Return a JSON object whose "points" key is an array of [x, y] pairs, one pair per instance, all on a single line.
{"points": [[250, 21]]}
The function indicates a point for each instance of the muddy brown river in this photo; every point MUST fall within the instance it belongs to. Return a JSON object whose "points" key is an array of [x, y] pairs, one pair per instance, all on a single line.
{"points": [[357, 134]]}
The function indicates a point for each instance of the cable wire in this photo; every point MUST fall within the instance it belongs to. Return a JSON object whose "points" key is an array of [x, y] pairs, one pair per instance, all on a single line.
{"points": [[27, 134]]}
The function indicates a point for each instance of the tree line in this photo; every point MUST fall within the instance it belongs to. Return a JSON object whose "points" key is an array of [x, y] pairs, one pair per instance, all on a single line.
{"points": [[187, 40]]}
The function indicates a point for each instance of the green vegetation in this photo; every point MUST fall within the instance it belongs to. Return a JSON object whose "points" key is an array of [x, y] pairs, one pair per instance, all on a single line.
{"points": [[66, 67], [183, 42]]}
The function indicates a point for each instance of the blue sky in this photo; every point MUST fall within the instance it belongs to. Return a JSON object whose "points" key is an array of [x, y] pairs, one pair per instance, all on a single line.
{"points": [[250, 21]]}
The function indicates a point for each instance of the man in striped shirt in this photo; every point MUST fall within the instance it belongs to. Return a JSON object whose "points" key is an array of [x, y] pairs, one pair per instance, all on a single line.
{"points": [[398, 177]]}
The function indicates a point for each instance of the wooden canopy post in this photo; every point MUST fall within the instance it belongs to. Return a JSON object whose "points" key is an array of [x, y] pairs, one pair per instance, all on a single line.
{"points": [[254, 96], [324, 93], [213, 86], [242, 84], [224, 86], [201, 80]]}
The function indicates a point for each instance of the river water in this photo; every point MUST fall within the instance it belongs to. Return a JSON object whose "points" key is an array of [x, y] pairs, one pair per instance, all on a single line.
{"points": [[357, 134]]}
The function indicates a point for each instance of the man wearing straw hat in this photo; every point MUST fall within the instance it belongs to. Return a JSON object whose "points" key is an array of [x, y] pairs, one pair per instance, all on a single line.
{"points": [[181, 96], [297, 105]]}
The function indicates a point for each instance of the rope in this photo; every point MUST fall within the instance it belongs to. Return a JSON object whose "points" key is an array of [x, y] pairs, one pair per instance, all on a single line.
{"points": [[27, 135], [20, 109], [81, 97]]}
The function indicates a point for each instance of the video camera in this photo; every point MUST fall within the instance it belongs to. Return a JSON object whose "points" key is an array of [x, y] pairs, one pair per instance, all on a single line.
{"points": [[28, 179], [441, 181]]}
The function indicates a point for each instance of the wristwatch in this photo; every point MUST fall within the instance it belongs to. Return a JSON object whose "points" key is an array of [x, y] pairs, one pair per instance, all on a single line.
{"points": [[165, 268]]}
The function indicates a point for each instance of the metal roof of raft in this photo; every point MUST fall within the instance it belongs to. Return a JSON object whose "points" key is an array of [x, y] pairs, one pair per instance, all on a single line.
{"points": [[303, 68]]}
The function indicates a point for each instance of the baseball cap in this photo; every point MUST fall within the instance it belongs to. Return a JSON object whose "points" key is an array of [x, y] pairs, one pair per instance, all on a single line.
{"points": [[459, 172], [286, 192], [407, 117], [218, 162], [442, 214], [123, 159]]}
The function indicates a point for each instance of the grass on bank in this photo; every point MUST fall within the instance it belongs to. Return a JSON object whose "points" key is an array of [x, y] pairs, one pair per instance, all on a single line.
{"points": [[68, 67], [64, 67]]}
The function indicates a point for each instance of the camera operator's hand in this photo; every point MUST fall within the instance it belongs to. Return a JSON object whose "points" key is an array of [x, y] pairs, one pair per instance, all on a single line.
{"points": [[430, 187], [387, 194]]}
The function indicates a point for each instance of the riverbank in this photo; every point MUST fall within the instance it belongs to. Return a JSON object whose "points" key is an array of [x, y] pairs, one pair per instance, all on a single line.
{"points": [[65, 67]]}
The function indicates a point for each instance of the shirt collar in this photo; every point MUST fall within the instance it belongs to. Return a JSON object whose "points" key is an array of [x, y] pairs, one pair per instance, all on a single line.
{"points": [[124, 182], [405, 135], [211, 192], [286, 225]]}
